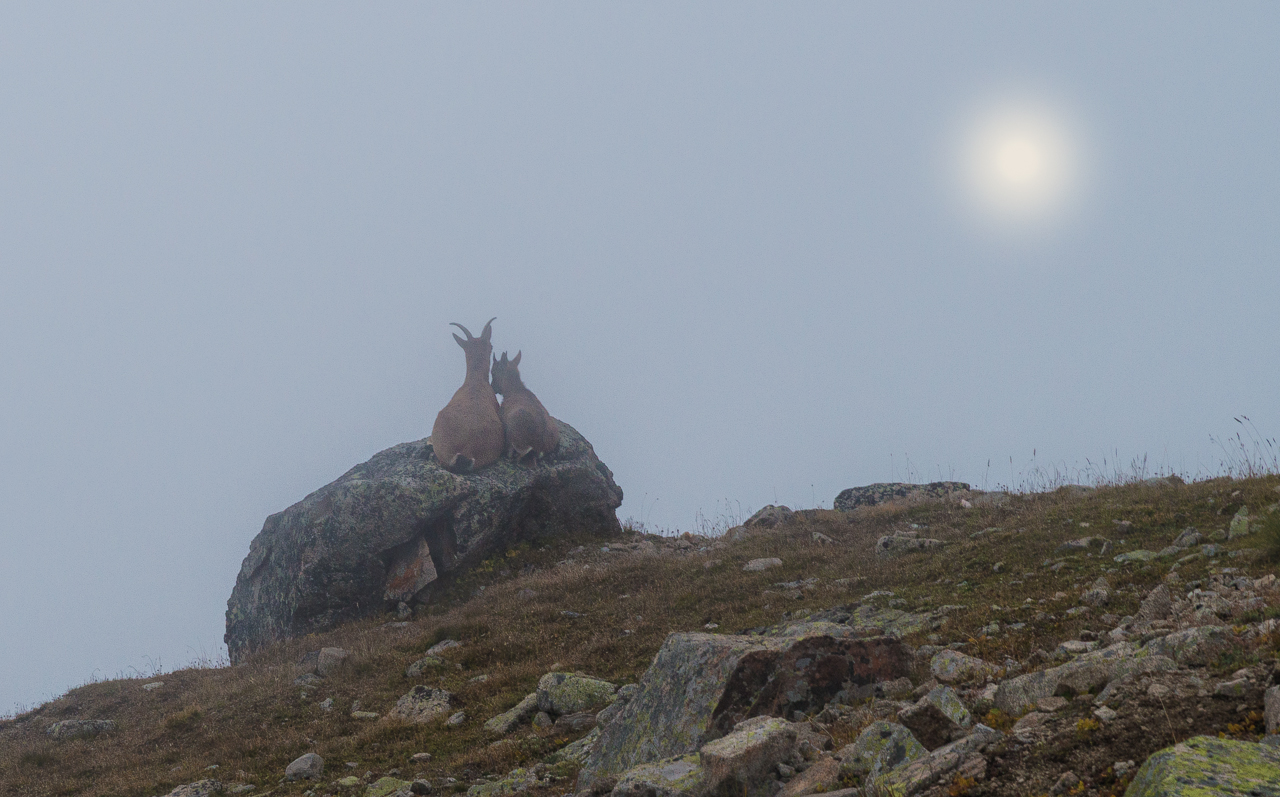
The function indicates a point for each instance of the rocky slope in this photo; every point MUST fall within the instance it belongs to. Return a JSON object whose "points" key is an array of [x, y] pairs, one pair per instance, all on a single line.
{"points": [[1082, 642]]}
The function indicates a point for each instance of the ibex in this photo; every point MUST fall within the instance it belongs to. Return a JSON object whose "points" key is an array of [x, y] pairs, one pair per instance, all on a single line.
{"points": [[467, 434], [530, 430]]}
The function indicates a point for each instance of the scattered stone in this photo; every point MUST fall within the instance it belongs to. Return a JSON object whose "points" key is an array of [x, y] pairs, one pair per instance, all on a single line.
{"points": [[1136, 556], [745, 756], [1052, 704], [769, 517], [756, 565], [423, 664], [307, 679], [305, 767], [203, 788], [507, 721], [936, 717], [442, 646], [569, 693], [1206, 765], [1188, 538], [574, 723], [894, 545], [422, 704], [1231, 689], [1105, 714], [388, 787], [326, 704], [954, 667], [79, 729], [685, 697], [1239, 524], [881, 747], [884, 492], [820, 777], [1065, 783], [679, 776], [1030, 727], [922, 773], [1194, 647], [456, 719], [1271, 709], [151, 687]]}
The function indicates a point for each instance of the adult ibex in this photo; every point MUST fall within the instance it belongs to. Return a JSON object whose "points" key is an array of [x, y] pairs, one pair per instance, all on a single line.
{"points": [[530, 430], [467, 434]]}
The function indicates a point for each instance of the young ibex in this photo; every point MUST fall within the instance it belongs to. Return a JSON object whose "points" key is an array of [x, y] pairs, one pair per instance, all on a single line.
{"points": [[467, 434], [530, 430]]}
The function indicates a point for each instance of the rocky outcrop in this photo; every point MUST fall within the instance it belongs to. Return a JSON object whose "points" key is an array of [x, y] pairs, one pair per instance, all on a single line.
{"points": [[884, 492], [79, 729], [892, 545], [881, 747], [387, 530], [700, 686]]}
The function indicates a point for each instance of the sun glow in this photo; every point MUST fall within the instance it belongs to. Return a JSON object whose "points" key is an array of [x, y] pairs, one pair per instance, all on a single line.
{"points": [[1020, 165]]}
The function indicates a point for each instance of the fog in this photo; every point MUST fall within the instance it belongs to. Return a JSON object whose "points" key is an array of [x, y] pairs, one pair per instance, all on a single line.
{"points": [[734, 242]]}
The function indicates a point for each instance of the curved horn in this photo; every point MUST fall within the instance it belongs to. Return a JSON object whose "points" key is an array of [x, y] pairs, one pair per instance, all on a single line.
{"points": [[488, 329], [464, 329]]}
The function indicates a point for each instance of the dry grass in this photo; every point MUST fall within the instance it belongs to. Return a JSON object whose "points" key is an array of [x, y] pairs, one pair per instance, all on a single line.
{"points": [[251, 721]]}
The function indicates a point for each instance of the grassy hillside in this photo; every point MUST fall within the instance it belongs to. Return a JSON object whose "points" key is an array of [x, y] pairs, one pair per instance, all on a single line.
{"points": [[571, 605]]}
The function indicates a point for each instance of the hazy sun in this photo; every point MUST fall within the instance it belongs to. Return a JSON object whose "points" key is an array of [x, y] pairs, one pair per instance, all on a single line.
{"points": [[1020, 164]]}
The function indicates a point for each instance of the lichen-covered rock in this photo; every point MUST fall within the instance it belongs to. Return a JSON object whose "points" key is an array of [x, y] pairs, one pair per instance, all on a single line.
{"points": [[680, 776], [757, 565], [895, 545], [575, 752], [954, 667], [1158, 605], [884, 492], [895, 622], [881, 747], [507, 721], [701, 685], [1203, 766], [516, 781], [936, 716], [1239, 524], [387, 529], [1195, 647], [740, 762], [571, 693], [389, 787], [926, 771], [79, 729], [422, 704]]}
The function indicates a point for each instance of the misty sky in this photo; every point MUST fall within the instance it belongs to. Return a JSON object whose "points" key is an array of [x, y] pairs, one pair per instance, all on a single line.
{"points": [[734, 242]]}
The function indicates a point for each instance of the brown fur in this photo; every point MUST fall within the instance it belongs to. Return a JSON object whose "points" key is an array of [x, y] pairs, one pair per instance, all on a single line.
{"points": [[530, 430], [467, 434]]}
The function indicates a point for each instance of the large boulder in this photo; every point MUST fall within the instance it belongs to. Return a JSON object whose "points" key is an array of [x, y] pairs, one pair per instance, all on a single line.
{"points": [[885, 492], [384, 532], [1088, 673], [700, 686], [881, 747], [1204, 765]]}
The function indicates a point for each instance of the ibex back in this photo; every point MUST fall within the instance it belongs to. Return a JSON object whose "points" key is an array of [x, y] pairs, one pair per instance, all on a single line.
{"points": [[530, 430], [467, 434]]}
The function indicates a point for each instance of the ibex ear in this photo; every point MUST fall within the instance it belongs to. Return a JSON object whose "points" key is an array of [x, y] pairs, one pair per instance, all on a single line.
{"points": [[461, 342], [516, 361]]}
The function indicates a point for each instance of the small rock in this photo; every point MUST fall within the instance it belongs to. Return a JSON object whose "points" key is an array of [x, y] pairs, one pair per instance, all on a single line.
{"points": [[422, 704], [1230, 689], [1240, 526], [935, 717], [420, 758], [442, 646], [1105, 714], [542, 720], [1271, 709], [79, 729], [456, 719], [1052, 704], [756, 565], [1066, 782], [201, 788], [1158, 691], [326, 704], [305, 767], [1122, 768], [151, 687], [422, 665]]}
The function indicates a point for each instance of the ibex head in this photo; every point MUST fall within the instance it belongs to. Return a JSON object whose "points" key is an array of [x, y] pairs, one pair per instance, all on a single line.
{"points": [[506, 374], [476, 346]]}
